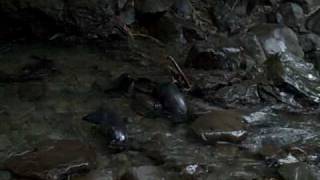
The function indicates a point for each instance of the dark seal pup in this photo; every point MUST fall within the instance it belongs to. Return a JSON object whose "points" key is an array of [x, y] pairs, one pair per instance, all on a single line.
{"points": [[111, 125]]}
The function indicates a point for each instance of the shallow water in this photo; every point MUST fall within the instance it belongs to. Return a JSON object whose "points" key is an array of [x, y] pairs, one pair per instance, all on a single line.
{"points": [[52, 108]]}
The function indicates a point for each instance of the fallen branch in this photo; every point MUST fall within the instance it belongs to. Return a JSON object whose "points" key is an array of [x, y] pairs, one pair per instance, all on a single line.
{"points": [[180, 72]]}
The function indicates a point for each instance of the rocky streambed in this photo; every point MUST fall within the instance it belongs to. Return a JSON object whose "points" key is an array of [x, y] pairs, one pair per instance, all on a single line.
{"points": [[159, 90]]}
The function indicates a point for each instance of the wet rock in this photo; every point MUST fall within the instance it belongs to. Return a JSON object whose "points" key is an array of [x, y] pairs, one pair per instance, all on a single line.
{"points": [[144, 173], [312, 23], [308, 5], [53, 160], [209, 55], [183, 8], [243, 93], [227, 15], [297, 171], [165, 29], [276, 137], [127, 13], [293, 16], [290, 70], [314, 58], [89, 18], [5, 175], [309, 42], [271, 154], [271, 94], [305, 153], [265, 40], [152, 6], [193, 171], [192, 33], [199, 106], [253, 48], [220, 125], [172, 101], [263, 116], [208, 82]]}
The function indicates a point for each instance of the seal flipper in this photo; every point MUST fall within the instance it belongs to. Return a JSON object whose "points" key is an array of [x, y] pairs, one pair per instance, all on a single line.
{"points": [[103, 117], [95, 118]]}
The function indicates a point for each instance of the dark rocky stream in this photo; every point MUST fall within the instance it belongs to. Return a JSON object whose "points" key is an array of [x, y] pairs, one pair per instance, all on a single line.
{"points": [[159, 89]]}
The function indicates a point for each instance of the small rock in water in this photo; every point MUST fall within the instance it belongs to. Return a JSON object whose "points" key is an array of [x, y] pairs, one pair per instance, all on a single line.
{"points": [[53, 160], [220, 125]]}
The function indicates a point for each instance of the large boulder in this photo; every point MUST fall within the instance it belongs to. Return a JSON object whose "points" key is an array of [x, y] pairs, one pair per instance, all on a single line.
{"points": [[218, 52], [288, 70], [266, 40], [293, 16]]}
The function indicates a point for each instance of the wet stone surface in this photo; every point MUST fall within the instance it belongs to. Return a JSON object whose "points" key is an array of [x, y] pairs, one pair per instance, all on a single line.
{"points": [[249, 111], [216, 126], [53, 160], [153, 140]]}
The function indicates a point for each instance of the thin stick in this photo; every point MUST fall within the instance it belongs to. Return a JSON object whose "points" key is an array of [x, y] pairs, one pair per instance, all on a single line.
{"points": [[185, 79]]}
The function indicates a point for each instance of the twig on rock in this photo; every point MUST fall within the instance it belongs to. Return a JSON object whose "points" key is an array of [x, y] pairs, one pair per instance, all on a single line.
{"points": [[180, 72]]}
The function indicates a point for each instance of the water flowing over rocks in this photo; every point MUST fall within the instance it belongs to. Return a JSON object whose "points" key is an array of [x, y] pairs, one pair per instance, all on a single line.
{"points": [[298, 171], [205, 89]]}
